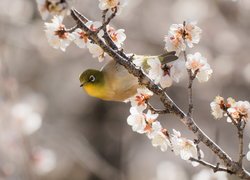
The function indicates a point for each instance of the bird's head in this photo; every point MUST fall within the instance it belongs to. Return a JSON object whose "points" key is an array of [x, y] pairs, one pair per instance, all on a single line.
{"points": [[91, 77], [92, 81]]}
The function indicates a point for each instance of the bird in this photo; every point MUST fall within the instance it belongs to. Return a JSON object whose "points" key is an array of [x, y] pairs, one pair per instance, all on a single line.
{"points": [[113, 82]]}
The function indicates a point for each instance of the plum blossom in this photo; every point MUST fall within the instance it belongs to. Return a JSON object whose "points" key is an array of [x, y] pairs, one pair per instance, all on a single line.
{"points": [[182, 35], [139, 100], [183, 147], [43, 160], [239, 110], [160, 139], [81, 38], [216, 105], [157, 74], [96, 51], [112, 4], [198, 64], [137, 120], [177, 69], [155, 71], [56, 34], [26, 118], [117, 36], [53, 7], [208, 174]]}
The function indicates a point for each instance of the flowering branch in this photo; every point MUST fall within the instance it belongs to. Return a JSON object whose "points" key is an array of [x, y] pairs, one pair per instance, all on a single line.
{"points": [[232, 166], [155, 74]]}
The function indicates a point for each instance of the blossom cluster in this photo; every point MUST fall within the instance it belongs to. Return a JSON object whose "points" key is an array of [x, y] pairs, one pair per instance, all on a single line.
{"points": [[160, 73], [146, 123], [234, 110], [60, 38], [182, 35]]}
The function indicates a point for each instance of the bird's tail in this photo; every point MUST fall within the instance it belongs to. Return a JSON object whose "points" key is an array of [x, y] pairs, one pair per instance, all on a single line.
{"points": [[168, 57]]}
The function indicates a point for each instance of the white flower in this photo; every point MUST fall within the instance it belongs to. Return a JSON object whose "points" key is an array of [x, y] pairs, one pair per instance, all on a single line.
{"points": [[215, 105], [155, 72], [193, 34], [139, 100], [183, 147], [154, 128], [43, 160], [207, 174], [166, 81], [160, 139], [96, 51], [174, 40], [117, 36], [52, 7], [137, 120], [197, 63], [240, 110], [56, 34], [180, 35], [111, 4], [25, 118], [176, 71], [81, 38]]}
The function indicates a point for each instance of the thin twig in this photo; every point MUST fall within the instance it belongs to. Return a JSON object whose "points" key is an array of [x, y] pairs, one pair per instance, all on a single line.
{"points": [[190, 90], [211, 166]]}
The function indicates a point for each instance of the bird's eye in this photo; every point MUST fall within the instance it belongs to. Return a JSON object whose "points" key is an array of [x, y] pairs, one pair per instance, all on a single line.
{"points": [[91, 78]]}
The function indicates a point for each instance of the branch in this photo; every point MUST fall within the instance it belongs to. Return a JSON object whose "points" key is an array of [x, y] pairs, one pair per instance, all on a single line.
{"points": [[211, 166], [167, 102]]}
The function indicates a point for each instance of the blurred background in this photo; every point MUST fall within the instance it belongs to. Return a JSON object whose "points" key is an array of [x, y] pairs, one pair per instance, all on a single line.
{"points": [[51, 130]]}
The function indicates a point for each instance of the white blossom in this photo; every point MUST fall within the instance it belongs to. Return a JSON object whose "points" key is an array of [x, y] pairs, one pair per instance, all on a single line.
{"points": [[117, 36], [139, 100], [176, 71], [180, 35], [174, 40], [183, 147], [26, 118], [240, 110], [56, 34], [96, 51], [43, 160], [81, 38], [208, 174], [197, 63], [53, 7], [155, 72], [215, 105], [166, 81], [137, 120], [161, 140], [193, 34]]}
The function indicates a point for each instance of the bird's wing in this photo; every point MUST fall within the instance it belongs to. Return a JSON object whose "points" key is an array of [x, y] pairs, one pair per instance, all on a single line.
{"points": [[119, 81]]}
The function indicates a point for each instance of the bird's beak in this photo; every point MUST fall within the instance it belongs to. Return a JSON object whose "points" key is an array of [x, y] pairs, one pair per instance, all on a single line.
{"points": [[81, 85]]}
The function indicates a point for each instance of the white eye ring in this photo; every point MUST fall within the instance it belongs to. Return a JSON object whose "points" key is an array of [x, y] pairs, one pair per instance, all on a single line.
{"points": [[91, 78]]}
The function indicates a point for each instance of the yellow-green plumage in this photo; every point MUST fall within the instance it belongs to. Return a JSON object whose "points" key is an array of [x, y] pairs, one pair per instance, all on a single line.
{"points": [[112, 82]]}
